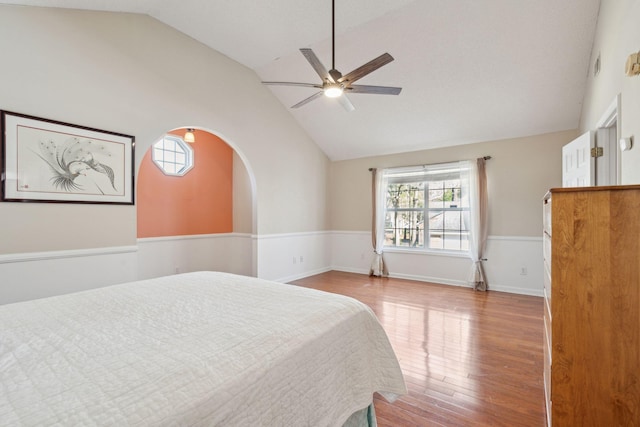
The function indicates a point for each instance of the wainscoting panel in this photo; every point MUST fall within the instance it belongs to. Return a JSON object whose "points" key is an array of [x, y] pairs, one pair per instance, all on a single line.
{"points": [[287, 257], [351, 251], [162, 256], [38, 275], [514, 263]]}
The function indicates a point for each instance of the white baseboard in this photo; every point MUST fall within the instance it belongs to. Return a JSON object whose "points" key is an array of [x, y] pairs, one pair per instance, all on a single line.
{"points": [[279, 257], [506, 257], [299, 276], [444, 281]]}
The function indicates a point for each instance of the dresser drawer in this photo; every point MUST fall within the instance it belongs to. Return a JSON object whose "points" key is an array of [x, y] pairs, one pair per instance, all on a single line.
{"points": [[547, 324], [546, 249], [547, 359], [546, 277], [547, 368], [546, 214], [547, 379]]}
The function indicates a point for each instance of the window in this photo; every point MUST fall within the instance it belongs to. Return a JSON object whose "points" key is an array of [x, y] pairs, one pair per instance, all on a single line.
{"points": [[172, 155], [428, 207]]}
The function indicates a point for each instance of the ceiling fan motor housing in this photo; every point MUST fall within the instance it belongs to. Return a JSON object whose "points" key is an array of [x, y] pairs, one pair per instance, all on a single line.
{"points": [[335, 75]]}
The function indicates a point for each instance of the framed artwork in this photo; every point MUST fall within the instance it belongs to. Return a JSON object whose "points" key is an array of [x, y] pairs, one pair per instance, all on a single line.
{"points": [[48, 161]]}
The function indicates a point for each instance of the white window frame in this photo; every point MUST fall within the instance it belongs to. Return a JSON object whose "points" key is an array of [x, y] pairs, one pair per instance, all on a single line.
{"points": [[422, 174], [172, 151]]}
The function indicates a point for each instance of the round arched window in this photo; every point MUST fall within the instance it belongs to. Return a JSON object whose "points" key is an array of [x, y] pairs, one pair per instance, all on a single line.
{"points": [[172, 155]]}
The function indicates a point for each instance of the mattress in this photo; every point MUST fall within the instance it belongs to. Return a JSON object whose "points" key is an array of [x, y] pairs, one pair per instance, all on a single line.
{"points": [[202, 348]]}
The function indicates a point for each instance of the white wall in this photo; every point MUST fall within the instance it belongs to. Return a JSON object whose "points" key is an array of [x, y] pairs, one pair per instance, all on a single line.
{"points": [[617, 36], [125, 73], [286, 257], [36, 275], [519, 173], [163, 256], [25, 276], [506, 258]]}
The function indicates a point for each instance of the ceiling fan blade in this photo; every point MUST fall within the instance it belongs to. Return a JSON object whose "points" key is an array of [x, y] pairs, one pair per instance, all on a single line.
{"points": [[316, 64], [308, 100], [346, 103], [365, 69], [292, 84], [379, 90]]}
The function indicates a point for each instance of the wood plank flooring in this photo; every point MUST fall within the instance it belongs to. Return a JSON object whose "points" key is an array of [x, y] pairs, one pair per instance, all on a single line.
{"points": [[468, 358]]}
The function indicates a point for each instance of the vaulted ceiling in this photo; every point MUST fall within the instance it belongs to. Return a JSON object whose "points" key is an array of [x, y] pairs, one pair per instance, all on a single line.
{"points": [[470, 70]]}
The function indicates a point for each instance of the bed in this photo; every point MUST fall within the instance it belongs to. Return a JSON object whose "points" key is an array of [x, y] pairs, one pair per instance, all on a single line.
{"points": [[203, 348]]}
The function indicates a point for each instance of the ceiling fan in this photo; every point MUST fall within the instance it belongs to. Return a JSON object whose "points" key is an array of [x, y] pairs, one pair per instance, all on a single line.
{"points": [[334, 84]]}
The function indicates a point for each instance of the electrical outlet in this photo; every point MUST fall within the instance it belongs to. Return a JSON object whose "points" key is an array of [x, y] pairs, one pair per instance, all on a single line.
{"points": [[301, 259], [294, 260], [177, 270], [523, 271]]}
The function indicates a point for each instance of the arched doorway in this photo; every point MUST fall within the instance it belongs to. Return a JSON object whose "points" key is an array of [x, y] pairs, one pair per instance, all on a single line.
{"points": [[197, 215]]}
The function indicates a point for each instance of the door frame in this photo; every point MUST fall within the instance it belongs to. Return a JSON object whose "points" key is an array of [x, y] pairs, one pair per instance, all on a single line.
{"points": [[613, 114]]}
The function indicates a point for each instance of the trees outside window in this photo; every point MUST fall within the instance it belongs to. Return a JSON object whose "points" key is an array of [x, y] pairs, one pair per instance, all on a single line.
{"points": [[427, 210]]}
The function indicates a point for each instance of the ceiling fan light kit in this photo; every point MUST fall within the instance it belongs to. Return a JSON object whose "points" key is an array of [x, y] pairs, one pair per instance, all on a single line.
{"points": [[333, 90], [334, 84]]}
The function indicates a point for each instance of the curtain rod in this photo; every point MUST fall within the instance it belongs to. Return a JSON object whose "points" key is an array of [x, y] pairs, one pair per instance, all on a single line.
{"points": [[433, 164]]}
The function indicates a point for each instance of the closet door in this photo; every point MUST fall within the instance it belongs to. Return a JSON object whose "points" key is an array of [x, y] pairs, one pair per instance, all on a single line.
{"points": [[578, 167]]}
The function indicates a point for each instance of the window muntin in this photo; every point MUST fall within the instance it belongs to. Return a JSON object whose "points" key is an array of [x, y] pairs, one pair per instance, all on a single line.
{"points": [[427, 210], [172, 155]]}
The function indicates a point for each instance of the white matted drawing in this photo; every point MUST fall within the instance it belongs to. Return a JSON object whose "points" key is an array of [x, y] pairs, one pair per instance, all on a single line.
{"points": [[49, 161]]}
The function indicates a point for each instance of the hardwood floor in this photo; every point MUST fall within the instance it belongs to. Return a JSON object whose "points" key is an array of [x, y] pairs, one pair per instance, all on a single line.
{"points": [[468, 358]]}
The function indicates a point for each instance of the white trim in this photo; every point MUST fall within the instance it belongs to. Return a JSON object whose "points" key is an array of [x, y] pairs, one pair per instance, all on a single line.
{"points": [[459, 254], [418, 278], [516, 238], [75, 253], [349, 270], [514, 290], [285, 235], [368, 233], [299, 276], [612, 114], [142, 240], [493, 287], [403, 250], [493, 237], [435, 280], [358, 233]]}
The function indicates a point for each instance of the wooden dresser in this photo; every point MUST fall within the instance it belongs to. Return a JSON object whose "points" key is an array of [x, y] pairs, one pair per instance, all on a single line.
{"points": [[592, 306]]}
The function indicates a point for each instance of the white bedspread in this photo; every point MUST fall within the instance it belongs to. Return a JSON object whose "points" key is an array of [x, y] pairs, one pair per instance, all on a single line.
{"points": [[192, 349]]}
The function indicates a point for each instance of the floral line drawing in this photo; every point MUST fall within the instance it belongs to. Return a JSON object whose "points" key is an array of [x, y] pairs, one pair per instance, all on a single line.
{"points": [[74, 158], [47, 161]]}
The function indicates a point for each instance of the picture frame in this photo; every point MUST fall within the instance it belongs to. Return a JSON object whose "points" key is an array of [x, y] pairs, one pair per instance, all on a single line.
{"points": [[55, 162]]}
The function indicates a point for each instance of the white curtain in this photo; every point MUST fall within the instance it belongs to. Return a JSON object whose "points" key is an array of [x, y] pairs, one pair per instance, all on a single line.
{"points": [[477, 220], [379, 201]]}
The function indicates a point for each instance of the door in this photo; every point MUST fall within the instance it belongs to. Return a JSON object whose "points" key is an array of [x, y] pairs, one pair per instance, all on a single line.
{"points": [[578, 167], [606, 164]]}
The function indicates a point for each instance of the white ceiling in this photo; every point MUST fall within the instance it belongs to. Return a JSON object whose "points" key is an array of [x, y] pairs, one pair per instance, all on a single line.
{"points": [[471, 70]]}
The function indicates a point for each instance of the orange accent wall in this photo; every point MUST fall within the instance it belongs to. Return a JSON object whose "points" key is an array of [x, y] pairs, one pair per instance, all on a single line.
{"points": [[199, 202]]}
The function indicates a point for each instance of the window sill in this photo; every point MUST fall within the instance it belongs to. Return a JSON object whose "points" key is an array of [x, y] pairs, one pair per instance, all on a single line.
{"points": [[452, 254]]}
